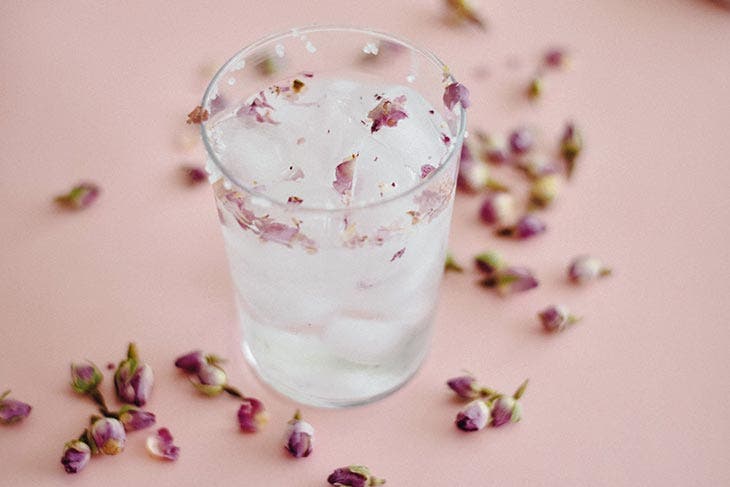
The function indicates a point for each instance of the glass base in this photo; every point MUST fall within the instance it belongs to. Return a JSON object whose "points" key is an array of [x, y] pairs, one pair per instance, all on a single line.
{"points": [[302, 397]]}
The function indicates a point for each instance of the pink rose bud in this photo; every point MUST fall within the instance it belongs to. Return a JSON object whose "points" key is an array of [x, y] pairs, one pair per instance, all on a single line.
{"points": [[211, 379], [12, 410], [495, 149], [555, 58], [521, 141], [299, 437], [85, 377], [586, 268], [160, 445], [544, 190], [537, 166], [80, 196], [464, 386], [191, 362], [194, 174], [387, 113], [133, 380], [526, 227], [490, 262], [108, 435], [456, 93], [556, 318], [251, 415], [507, 409], [511, 280], [354, 476], [76, 455], [473, 173], [571, 145], [134, 419], [498, 208], [474, 416]]}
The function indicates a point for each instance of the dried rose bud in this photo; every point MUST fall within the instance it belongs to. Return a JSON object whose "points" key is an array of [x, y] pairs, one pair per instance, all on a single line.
{"points": [[495, 149], [512, 280], [555, 58], [198, 115], [474, 416], [571, 145], [521, 141], [586, 268], [12, 410], [134, 419], [211, 380], [527, 226], [556, 318], [191, 362], [464, 386], [299, 437], [133, 381], [387, 113], [537, 166], [473, 174], [85, 378], [451, 265], [507, 409], [160, 445], [498, 208], [76, 455], [461, 10], [81, 196], [534, 88], [194, 174], [456, 93], [544, 190], [490, 262], [354, 476], [108, 435], [251, 415]]}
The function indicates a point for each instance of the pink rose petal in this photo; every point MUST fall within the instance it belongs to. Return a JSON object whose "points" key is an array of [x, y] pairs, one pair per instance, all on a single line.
{"points": [[456, 93], [160, 445], [387, 113], [344, 173]]}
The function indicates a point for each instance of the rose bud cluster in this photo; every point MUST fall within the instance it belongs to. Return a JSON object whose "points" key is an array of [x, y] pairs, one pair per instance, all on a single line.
{"points": [[486, 406]]}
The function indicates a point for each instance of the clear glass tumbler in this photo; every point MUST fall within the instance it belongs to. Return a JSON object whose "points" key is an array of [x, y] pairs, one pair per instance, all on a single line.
{"points": [[333, 160]]}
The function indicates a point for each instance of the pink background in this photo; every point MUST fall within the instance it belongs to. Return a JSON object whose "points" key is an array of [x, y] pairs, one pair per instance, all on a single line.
{"points": [[636, 395]]}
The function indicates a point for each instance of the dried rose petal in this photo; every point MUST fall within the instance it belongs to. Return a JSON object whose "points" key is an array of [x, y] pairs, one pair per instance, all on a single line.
{"points": [[81, 196], [464, 386], [456, 93], [108, 435], [387, 113], [278, 232], [556, 318], [498, 208], [461, 10], [259, 109], [12, 410], [474, 416], [586, 268], [198, 115], [161, 445], [294, 200], [76, 455], [251, 415], [299, 437], [427, 169], [521, 141], [344, 173], [354, 476], [134, 419], [398, 254]]}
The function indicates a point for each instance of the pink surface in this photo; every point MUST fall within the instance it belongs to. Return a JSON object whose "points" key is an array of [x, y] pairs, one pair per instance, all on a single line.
{"points": [[636, 395]]}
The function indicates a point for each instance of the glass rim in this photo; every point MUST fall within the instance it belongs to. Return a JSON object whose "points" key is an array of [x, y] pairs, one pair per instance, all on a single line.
{"points": [[297, 31]]}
